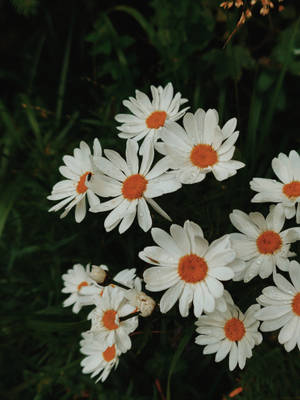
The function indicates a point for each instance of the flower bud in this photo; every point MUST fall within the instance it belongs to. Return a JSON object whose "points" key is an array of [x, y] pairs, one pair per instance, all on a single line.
{"points": [[98, 273], [145, 304]]}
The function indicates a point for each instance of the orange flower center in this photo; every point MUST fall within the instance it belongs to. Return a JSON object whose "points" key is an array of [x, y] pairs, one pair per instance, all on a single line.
{"points": [[110, 353], [108, 320], [268, 242], [84, 283], [81, 187], [234, 329], [192, 268], [134, 187], [296, 304], [156, 119], [291, 189], [203, 156]]}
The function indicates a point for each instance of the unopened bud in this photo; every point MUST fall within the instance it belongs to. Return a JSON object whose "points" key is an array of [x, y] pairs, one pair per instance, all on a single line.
{"points": [[98, 274], [145, 304]]}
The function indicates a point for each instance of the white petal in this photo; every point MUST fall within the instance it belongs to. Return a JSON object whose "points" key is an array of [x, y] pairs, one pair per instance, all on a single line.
{"points": [[267, 266], [233, 357], [280, 167], [128, 219], [181, 238], [224, 349], [244, 224], [229, 127], [272, 312], [287, 331], [209, 301], [221, 273], [273, 324], [284, 284], [80, 210], [109, 168], [158, 209], [160, 278], [276, 218], [165, 183], [198, 300], [117, 160], [159, 168], [170, 297], [143, 214], [215, 287], [116, 214], [107, 205], [185, 300], [165, 241], [294, 271], [131, 156]]}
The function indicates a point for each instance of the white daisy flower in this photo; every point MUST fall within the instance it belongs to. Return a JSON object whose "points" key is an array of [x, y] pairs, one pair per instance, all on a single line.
{"points": [[286, 192], [107, 325], [282, 308], [229, 332], [262, 244], [188, 267], [100, 358], [75, 280], [78, 170], [201, 147], [149, 117], [131, 186]]}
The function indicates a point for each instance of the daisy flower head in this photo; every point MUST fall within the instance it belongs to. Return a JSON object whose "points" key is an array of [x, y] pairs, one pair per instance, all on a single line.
{"points": [[287, 191], [106, 319], [262, 244], [100, 358], [76, 281], [281, 308], [148, 117], [230, 332], [188, 267], [132, 187], [78, 170], [201, 147]]}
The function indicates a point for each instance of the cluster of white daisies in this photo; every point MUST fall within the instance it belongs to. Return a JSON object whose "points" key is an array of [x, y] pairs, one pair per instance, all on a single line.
{"points": [[185, 265]]}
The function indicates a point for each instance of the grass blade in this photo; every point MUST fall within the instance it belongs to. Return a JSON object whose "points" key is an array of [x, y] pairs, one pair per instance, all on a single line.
{"points": [[63, 77], [184, 341], [139, 18], [7, 201]]}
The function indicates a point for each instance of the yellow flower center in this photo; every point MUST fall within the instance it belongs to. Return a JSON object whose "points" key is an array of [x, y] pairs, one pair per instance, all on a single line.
{"points": [[203, 156], [292, 189], [192, 268], [110, 353], [156, 119], [268, 242], [234, 329], [108, 320], [134, 187], [81, 186]]}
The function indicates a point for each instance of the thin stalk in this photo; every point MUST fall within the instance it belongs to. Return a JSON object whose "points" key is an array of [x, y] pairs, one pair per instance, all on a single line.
{"points": [[274, 98], [63, 76]]}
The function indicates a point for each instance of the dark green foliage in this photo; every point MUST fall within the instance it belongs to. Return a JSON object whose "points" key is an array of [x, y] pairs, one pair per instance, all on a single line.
{"points": [[65, 70]]}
